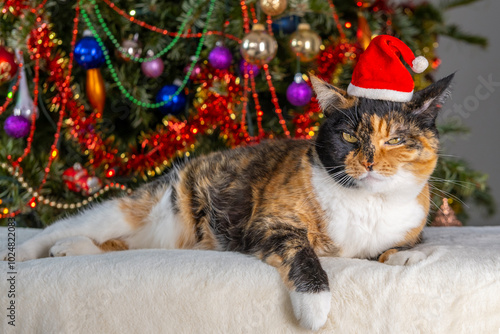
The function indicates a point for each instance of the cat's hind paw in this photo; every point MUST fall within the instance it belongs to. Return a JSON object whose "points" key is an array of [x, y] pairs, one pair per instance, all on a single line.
{"points": [[78, 245], [405, 258], [311, 309]]}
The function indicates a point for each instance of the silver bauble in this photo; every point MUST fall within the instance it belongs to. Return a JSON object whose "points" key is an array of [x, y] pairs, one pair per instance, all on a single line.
{"points": [[305, 43], [24, 103], [258, 47]]}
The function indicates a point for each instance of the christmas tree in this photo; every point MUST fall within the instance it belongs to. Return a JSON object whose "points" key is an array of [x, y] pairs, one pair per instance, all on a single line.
{"points": [[99, 97]]}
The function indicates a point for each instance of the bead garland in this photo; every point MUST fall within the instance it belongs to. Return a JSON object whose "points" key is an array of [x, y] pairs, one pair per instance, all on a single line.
{"points": [[53, 149], [274, 100], [164, 31], [337, 20], [117, 45], [29, 140], [53, 203], [114, 75]]}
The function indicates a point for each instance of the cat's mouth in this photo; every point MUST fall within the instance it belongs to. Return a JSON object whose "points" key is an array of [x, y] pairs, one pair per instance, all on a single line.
{"points": [[372, 177]]}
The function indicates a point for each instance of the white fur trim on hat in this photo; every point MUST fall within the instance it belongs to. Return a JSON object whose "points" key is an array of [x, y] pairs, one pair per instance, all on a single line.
{"points": [[379, 94], [419, 64]]}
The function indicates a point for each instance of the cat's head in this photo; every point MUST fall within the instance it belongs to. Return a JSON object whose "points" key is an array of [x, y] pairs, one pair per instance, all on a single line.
{"points": [[379, 145]]}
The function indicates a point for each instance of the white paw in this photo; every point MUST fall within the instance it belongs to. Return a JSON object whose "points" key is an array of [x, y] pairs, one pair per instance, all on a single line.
{"points": [[78, 245], [405, 258], [21, 254], [311, 309]]}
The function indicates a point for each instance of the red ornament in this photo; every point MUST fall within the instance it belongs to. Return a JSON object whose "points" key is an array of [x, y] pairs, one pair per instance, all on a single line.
{"points": [[72, 177], [8, 65], [77, 179]]}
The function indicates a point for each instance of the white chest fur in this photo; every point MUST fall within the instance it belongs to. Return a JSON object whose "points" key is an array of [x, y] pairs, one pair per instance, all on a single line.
{"points": [[365, 223]]}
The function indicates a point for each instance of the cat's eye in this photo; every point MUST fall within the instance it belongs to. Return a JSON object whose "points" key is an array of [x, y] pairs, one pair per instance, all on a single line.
{"points": [[394, 141], [349, 138]]}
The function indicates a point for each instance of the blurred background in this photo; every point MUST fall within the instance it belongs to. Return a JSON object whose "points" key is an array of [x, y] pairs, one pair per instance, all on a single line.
{"points": [[97, 104], [473, 102]]}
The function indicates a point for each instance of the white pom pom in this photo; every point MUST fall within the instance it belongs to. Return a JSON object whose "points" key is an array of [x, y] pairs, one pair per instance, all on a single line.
{"points": [[419, 64]]}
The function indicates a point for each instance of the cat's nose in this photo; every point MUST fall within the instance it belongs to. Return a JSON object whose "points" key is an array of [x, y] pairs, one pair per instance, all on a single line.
{"points": [[368, 165]]}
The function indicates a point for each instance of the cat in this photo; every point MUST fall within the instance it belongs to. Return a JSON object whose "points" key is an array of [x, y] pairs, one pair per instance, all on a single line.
{"points": [[358, 190]]}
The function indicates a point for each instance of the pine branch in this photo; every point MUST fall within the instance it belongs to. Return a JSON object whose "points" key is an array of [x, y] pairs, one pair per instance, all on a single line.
{"points": [[448, 4], [455, 32]]}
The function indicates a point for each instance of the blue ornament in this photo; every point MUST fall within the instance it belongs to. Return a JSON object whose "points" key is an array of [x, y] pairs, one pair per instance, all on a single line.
{"points": [[286, 24], [176, 105], [88, 53]]}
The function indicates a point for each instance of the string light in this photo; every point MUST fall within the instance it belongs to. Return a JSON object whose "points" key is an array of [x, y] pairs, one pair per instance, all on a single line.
{"points": [[164, 31]]}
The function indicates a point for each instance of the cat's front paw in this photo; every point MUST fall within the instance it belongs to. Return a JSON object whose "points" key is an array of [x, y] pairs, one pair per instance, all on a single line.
{"points": [[21, 254], [311, 309], [405, 258], [78, 245]]}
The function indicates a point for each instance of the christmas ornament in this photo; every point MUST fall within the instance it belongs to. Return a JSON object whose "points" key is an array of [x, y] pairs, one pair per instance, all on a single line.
{"points": [[305, 43], [92, 185], [130, 47], [153, 68], [88, 53], [363, 34], [77, 179], [195, 73], [220, 57], [299, 93], [176, 104], [380, 74], [445, 216], [72, 175], [258, 47], [24, 104], [250, 67], [8, 66], [273, 7], [286, 24], [95, 89], [17, 126]]}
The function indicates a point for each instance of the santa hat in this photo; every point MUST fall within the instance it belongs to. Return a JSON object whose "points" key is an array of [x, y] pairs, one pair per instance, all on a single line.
{"points": [[380, 74]]}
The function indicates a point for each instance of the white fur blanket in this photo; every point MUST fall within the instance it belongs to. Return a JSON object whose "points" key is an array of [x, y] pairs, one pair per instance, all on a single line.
{"points": [[455, 290]]}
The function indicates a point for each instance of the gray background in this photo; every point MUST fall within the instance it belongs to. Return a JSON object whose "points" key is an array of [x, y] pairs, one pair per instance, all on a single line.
{"points": [[480, 107]]}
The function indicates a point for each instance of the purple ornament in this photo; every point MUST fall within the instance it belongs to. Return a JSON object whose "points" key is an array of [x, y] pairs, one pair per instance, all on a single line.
{"points": [[17, 126], [246, 69], [299, 93], [153, 68], [220, 58]]}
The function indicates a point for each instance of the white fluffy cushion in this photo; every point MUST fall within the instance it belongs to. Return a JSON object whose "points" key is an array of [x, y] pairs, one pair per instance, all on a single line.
{"points": [[456, 289]]}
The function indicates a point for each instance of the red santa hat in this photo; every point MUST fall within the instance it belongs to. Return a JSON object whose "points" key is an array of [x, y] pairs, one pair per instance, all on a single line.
{"points": [[380, 74]]}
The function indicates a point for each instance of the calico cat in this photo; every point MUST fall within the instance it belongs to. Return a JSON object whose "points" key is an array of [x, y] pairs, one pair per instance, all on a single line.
{"points": [[359, 190]]}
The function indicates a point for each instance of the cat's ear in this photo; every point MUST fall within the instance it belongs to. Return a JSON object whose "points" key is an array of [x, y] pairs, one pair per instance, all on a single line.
{"points": [[331, 98], [426, 103]]}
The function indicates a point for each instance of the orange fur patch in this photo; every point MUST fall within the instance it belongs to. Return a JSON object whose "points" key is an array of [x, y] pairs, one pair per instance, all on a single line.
{"points": [[113, 245], [385, 255]]}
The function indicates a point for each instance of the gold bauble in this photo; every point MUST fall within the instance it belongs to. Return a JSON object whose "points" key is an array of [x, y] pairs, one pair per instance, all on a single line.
{"points": [[305, 43], [258, 47], [96, 90], [273, 7]]}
